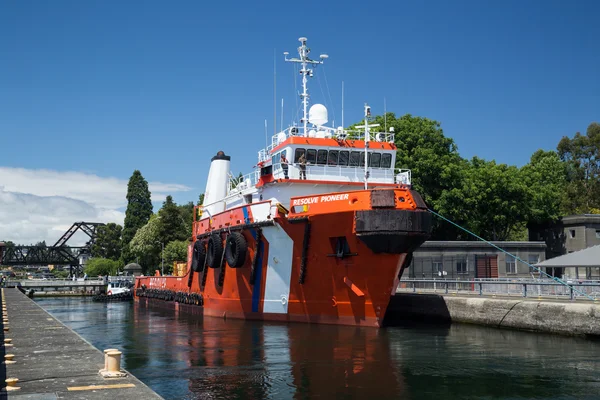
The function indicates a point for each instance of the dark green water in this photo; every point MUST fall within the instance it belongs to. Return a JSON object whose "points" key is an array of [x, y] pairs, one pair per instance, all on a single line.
{"points": [[182, 358]]}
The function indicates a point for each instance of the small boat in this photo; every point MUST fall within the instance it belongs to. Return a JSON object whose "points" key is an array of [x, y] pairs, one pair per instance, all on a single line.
{"points": [[120, 290], [320, 232]]}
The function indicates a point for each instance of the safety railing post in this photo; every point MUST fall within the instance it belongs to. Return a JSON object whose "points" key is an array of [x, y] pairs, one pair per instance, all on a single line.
{"points": [[446, 287], [414, 287], [571, 292], [480, 289], [524, 290]]}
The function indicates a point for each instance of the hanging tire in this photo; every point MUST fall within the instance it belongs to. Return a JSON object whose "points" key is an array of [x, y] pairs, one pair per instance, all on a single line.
{"points": [[235, 250], [198, 256], [215, 251]]}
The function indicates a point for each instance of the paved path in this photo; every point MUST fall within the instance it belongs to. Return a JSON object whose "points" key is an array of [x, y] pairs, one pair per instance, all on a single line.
{"points": [[54, 362]]}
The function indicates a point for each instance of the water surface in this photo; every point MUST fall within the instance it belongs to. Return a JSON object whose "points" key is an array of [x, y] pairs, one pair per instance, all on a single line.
{"points": [[181, 357]]}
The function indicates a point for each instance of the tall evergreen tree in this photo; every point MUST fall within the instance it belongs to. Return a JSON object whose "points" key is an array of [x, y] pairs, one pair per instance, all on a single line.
{"points": [[139, 206], [108, 242], [171, 226]]}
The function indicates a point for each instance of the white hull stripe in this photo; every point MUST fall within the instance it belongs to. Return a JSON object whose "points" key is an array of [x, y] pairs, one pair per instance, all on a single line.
{"points": [[279, 270]]}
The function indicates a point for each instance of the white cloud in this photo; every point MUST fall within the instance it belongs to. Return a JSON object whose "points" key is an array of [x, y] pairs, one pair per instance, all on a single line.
{"points": [[40, 205]]}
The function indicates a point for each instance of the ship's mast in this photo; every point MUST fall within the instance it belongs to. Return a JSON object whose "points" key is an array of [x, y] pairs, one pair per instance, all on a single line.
{"points": [[303, 52], [367, 140]]}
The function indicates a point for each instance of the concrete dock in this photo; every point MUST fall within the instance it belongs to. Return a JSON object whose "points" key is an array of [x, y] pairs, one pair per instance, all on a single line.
{"points": [[580, 318], [51, 361]]}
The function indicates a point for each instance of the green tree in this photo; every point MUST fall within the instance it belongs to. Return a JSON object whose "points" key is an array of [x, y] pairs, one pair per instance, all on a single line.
{"points": [[545, 178], [200, 199], [175, 251], [171, 224], [582, 157], [102, 266], [60, 274], [187, 214], [108, 242], [422, 147], [491, 200], [145, 247], [139, 206]]}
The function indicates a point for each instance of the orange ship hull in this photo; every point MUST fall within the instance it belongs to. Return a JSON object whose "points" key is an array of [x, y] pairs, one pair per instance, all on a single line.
{"points": [[332, 259]]}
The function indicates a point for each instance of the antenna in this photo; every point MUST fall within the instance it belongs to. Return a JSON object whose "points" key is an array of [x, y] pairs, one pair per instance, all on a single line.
{"points": [[274, 92], [343, 105], [367, 140], [281, 115], [303, 59], [384, 117], [266, 138]]}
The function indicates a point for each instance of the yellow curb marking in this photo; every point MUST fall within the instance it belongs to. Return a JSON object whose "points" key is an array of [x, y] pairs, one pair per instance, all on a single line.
{"points": [[94, 387]]}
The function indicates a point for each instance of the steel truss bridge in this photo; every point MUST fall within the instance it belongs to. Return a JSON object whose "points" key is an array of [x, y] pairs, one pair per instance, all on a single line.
{"points": [[58, 254]]}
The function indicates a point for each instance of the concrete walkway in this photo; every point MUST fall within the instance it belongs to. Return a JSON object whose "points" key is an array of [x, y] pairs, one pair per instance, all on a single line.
{"points": [[53, 362]]}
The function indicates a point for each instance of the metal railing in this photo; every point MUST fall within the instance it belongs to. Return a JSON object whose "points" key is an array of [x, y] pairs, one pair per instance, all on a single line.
{"points": [[545, 288], [323, 132]]}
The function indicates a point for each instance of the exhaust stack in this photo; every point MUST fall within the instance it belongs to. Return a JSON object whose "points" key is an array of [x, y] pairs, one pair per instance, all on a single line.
{"points": [[216, 185]]}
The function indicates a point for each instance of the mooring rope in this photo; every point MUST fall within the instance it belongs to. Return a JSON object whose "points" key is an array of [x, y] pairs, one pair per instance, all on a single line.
{"points": [[514, 256]]}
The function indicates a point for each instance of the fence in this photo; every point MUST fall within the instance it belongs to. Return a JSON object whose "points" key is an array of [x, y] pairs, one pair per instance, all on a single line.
{"points": [[505, 287]]}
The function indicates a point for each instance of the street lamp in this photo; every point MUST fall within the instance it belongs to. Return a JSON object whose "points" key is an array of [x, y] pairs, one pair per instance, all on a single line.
{"points": [[162, 257]]}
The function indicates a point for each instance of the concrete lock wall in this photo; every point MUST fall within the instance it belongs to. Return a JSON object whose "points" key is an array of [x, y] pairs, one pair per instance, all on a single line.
{"points": [[541, 316]]}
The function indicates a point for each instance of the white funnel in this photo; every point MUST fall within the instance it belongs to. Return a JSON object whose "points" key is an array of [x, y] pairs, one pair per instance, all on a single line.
{"points": [[216, 185]]}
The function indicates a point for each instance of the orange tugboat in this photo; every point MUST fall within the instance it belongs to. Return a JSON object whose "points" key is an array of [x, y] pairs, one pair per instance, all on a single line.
{"points": [[320, 232]]}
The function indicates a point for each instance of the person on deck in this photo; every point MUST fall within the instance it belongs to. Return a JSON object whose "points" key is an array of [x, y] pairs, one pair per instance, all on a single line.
{"points": [[284, 165], [302, 162]]}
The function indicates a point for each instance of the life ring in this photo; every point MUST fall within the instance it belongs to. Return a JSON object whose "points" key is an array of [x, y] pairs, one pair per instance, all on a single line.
{"points": [[215, 251], [235, 250], [109, 292], [198, 256]]}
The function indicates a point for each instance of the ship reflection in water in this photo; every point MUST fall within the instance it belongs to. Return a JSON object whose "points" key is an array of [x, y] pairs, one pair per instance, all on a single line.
{"points": [[183, 358]]}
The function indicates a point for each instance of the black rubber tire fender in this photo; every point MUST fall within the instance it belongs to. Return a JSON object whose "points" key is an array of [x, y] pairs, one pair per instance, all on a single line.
{"points": [[198, 256], [215, 251], [235, 250]]}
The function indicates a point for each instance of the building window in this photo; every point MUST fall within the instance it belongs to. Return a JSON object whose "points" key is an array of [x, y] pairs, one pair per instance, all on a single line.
{"points": [[511, 265], [438, 266], [461, 267], [533, 259], [572, 233]]}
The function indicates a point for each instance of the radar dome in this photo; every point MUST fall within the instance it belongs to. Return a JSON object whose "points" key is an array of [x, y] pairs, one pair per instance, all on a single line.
{"points": [[317, 115]]}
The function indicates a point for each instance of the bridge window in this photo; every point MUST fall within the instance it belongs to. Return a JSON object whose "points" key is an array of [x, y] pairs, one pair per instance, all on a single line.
{"points": [[343, 159], [354, 159], [386, 160], [333, 157], [299, 152], [375, 160], [322, 157], [311, 156]]}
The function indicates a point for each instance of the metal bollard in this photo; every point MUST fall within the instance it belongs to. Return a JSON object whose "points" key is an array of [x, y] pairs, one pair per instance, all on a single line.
{"points": [[480, 289], [11, 384], [114, 361], [446, 287], [106, 357], [524, 290]]}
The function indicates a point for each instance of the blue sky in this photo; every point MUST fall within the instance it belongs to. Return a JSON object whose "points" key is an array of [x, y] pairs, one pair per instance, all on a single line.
{"points": [[106, 87]]}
